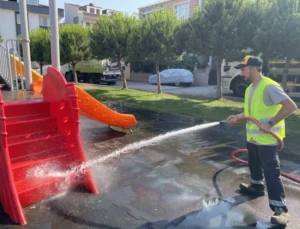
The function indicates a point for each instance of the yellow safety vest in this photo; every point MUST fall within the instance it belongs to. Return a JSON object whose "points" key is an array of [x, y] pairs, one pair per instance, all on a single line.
{"points": [[263, 114]]}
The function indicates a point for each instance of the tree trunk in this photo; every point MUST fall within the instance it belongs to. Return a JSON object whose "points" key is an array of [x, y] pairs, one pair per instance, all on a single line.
{"points": [[285, 72], [74, 73], [122, 74], [41, 68], [158, 78], [219, 77], [266, 67]]}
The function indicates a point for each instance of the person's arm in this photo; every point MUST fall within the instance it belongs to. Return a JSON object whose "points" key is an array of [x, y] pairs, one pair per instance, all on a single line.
{"points": [[288, 107], [232, 119], [241, 115], [278, 96]]}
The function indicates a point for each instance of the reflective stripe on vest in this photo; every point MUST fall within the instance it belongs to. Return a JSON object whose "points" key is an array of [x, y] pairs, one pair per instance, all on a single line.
{"points": [[274, 129], [263, 114], [261, 121]]}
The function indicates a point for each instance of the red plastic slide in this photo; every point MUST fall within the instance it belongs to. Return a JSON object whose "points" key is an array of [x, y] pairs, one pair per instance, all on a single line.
{"points": [[40, 132]]}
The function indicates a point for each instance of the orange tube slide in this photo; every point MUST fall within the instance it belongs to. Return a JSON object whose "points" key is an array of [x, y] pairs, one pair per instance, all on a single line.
{"points": [[88, 105]]}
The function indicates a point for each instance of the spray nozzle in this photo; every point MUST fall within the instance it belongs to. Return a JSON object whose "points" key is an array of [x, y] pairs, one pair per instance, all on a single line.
{"points": [[223, 122]]}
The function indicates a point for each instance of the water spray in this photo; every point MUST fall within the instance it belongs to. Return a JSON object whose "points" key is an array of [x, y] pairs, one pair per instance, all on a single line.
{"points": [[39, 171]]}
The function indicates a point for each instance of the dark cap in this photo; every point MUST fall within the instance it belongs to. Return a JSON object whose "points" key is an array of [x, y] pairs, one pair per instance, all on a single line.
{"points": [[253, 61]]}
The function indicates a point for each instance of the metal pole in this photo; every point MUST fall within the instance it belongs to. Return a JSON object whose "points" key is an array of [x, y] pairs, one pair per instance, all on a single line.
{"points": [[9, 67], [20, 59], [25, 45], [15, 66], [53, 13]]}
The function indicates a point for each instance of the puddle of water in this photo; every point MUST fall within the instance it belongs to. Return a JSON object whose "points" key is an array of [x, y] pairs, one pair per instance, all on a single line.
{"points": [[53, 172], [266, 225], [207, 203]]}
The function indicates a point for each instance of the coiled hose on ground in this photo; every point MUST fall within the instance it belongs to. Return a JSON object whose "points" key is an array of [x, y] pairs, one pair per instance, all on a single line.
{"points": [[280, 146]]}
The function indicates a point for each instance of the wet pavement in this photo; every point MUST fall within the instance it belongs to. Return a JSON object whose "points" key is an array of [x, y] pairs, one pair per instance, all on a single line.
{"points": [[187, 181]]}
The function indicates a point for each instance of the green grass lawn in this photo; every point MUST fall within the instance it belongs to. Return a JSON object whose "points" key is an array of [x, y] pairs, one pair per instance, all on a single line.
{"points": [[202, 108]]}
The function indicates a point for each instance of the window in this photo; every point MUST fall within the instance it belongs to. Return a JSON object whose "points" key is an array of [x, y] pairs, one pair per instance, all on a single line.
{"points": [[92, 10], [182, 10], [33, 2], [109, 13], [44, 21], [75, 20], [18, 19], [146, 12], [98, 12]]}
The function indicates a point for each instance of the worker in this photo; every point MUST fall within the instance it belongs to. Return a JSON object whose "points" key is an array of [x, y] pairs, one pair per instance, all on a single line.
{"points": [[267, 102]]}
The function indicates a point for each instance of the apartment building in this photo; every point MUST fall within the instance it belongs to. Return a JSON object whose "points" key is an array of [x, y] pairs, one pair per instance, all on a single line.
{"points": [[10, 24], [182, 8], [84, 15]]}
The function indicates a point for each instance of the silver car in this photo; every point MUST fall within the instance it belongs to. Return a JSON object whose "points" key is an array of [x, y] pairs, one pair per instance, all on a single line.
{"points": [[178, 77]]}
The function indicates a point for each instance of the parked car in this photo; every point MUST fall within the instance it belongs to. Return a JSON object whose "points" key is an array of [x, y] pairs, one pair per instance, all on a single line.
{"points": [[177, 77]]}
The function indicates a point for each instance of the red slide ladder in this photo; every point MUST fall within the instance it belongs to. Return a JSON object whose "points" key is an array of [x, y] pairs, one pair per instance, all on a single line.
{"points": [[35, 133]]}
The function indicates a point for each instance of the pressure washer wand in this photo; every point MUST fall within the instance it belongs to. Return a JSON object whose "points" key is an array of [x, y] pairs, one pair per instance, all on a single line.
{"points": [[223, 122]]}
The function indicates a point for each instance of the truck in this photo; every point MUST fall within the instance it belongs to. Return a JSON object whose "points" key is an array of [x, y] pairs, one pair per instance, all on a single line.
{"points": [[233, 82], [93, 71]]}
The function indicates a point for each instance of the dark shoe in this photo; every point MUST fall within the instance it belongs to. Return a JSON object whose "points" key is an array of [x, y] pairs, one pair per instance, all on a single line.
{"points": [[280, 217], [251, 190]]}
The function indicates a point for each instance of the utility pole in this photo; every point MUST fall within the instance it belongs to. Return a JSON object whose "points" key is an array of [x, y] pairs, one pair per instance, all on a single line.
{"points": [[55, 53], [25, 43]]}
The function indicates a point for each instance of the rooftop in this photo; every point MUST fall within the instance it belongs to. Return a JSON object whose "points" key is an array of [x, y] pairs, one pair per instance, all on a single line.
{"points": [[45, 6], [79, 6], [154, 3]]}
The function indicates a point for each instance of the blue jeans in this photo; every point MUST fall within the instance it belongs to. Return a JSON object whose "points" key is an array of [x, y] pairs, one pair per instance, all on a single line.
{"points": [[264, 162]]}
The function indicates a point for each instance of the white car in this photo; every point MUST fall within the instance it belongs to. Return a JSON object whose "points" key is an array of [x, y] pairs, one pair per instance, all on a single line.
{"points": [[179, 77]]}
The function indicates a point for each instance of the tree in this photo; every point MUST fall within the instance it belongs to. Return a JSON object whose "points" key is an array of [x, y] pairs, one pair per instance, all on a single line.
{"points": [[154, 39], [40, 46], [279, 34], [1, 40], [217, 30], [110, 39], [74, 45]]}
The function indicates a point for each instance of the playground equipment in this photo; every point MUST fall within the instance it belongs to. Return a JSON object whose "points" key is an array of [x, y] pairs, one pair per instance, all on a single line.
{"points": [[39, 132], [88, 105], [43, 132], [46, 131]]}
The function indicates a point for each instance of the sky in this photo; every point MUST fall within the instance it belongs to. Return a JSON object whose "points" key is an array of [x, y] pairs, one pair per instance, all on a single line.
{"points": [[129, 6]]}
